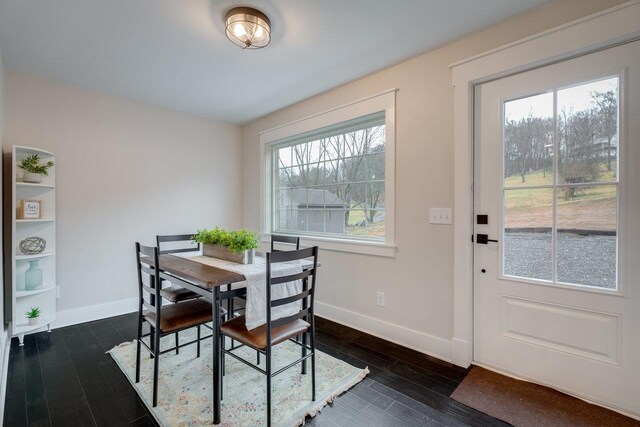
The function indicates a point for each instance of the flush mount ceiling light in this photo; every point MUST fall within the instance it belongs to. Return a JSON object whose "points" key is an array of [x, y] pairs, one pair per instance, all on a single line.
{"points": [[248, 28]]}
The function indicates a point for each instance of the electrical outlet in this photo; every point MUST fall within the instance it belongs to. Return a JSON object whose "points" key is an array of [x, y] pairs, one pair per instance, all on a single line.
{"points": [[440, 216], [380, 299], [58, 292]]}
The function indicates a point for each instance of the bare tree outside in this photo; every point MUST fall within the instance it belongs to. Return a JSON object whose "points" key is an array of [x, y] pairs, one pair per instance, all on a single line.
{"points": [[526, 145], [348, 166], [606, 105], [578, 159]]}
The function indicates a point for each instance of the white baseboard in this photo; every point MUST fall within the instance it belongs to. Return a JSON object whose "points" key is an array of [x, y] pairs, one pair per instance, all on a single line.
{"points": [[95, 312], [4, 338], [416, 340]]}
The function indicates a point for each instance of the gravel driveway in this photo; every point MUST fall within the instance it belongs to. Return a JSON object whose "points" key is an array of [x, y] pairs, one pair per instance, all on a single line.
{"points": [[582, 259]]}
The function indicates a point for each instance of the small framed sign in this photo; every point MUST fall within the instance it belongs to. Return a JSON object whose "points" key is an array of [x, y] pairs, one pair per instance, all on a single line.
{"points": [[30, 209]]}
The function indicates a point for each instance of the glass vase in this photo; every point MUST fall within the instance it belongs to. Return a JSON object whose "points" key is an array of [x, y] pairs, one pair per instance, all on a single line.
{"points": [[33, 276]]}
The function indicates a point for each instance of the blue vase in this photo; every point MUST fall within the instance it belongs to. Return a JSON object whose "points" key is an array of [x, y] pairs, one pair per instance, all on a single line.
{"points": [[33, 276]]}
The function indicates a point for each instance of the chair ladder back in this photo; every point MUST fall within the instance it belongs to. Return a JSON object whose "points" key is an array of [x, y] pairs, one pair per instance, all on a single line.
{"points": [[289, 240], [153, 287], [176, 238], [307, 292]]}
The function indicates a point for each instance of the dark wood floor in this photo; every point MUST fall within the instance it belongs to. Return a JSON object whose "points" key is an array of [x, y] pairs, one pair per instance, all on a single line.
{"points": [[64, 378]]}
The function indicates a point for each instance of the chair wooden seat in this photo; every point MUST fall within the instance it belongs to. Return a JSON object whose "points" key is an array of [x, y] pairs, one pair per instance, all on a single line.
{"points": [[181, 316], [178, 295], [257, 338]]}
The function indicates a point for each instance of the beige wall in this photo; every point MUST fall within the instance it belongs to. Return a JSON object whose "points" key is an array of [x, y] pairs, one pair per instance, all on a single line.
{"points": [[125, 172], [418, 282], [3, 330]]}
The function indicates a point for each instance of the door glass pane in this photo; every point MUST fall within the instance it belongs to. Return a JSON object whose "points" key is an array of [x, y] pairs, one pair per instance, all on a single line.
{"points": [[588, 132], [528, 141], [587, 236], [527, 248]]}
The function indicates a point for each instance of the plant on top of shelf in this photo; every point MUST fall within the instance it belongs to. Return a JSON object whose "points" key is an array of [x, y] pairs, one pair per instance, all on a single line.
{"points": [[33, 169], [33, 315], [237, 246]]}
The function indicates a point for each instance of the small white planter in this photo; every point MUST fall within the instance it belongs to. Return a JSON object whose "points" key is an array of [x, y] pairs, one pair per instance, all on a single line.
{"points": [[222, 252], [33, 321], [33, 178]]}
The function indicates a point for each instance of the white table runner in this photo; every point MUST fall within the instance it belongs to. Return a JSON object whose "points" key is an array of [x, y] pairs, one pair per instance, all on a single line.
{"points": [[256, 275]]}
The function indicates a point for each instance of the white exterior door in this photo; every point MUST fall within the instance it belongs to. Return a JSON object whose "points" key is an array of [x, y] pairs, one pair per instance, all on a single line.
{"points": [[557, 174]]}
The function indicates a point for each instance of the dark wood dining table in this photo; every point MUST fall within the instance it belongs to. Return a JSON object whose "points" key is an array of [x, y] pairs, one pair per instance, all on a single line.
{"points": [[207, 281]]}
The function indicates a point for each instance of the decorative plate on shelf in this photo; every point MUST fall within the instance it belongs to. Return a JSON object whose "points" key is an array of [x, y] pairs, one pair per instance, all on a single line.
{"points": [[33, 245]]}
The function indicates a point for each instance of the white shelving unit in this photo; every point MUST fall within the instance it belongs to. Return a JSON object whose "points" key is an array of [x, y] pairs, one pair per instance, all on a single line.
{"points": [[18, 300], [36, 256]]}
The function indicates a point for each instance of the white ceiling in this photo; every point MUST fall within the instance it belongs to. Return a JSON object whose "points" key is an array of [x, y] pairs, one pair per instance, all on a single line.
{"points": [[174, 54]]}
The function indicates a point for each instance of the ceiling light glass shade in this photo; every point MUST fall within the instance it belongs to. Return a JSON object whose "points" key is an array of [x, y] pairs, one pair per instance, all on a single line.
{"points": [[248, 28]]}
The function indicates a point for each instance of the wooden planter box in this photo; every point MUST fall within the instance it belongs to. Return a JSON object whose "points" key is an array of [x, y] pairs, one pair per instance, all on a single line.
{"points": [[222, 252]]}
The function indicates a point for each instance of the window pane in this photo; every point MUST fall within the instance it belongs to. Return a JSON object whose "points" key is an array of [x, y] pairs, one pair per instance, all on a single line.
{"points": [[299, 198], [528, 141], [332, 172], [311, 175], [356, 221], [297, 220], [527, 248], [377, 139], [334, 196], [588, 132], [357, 195], [334, 147], [284, 199], [354, 169], [375, 196], [284, 156], [289, 177], [315, 220], [587, 235], [375, 167], [320, 183], [306, 153], [284, 220], [334, 221]]}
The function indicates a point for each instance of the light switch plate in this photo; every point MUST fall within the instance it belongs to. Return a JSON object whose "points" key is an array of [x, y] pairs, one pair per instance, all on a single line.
{"points": [[440, 216]]}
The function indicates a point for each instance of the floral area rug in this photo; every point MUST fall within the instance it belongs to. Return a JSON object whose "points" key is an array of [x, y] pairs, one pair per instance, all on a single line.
{"points": [[185, 387]]}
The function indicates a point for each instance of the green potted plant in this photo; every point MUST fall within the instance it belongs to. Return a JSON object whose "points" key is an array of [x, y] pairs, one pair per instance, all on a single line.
{"points": [[236, 246], [33, 315], [33, 169]]}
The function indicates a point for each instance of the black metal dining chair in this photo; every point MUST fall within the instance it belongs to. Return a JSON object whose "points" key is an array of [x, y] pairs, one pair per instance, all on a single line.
{"points": [[165, 320], [274, 332]]}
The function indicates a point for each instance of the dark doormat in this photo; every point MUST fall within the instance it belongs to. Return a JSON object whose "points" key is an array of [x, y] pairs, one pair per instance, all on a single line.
{"points": [[526, 404]]}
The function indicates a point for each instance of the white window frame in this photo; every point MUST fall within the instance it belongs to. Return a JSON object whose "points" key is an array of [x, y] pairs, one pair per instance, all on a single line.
{"points": [[384, 101]]}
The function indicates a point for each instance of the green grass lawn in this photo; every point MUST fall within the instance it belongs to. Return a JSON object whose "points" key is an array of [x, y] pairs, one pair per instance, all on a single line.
{"points": [[546, 178], [372, 229], [524, 199]]}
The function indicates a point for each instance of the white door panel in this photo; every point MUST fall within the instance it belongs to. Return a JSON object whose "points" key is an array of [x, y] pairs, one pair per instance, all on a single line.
{"points": [[557, 171]]}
